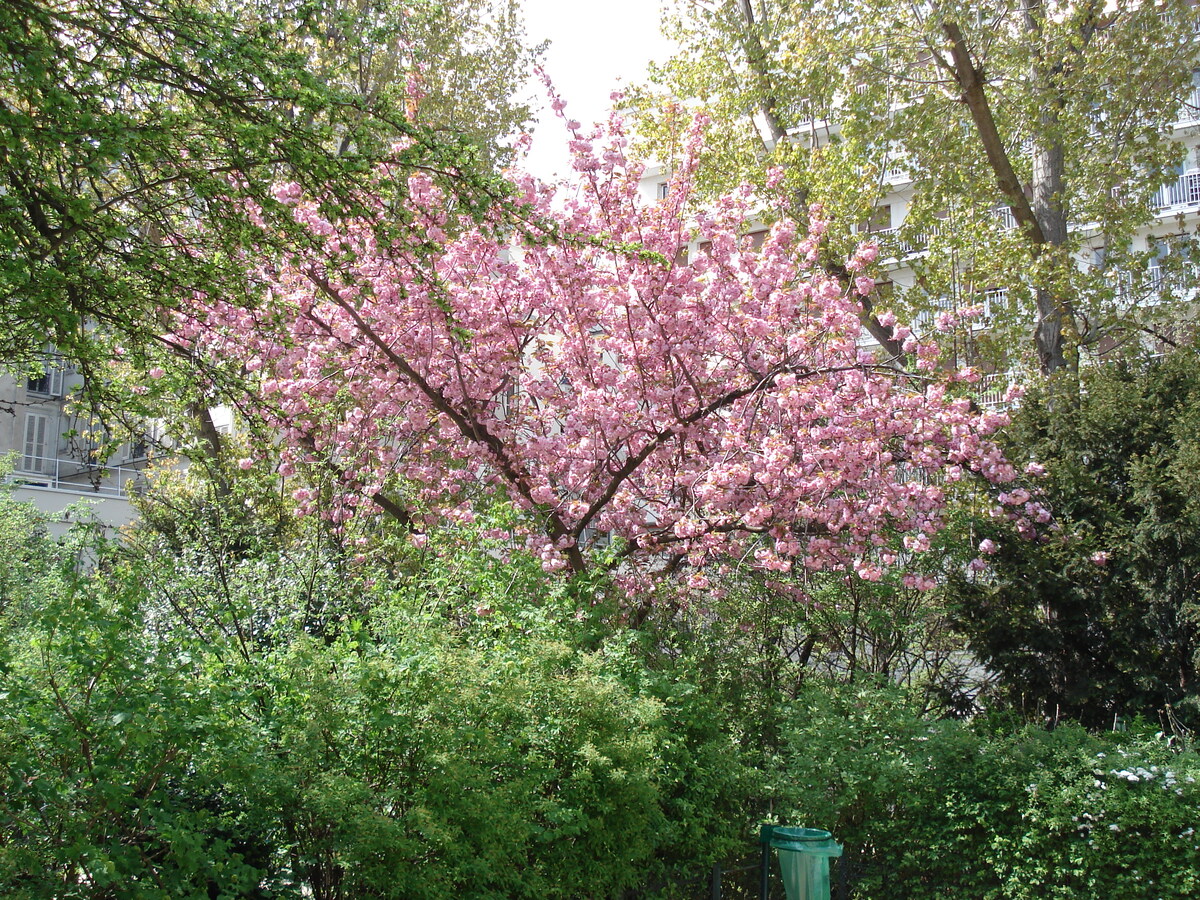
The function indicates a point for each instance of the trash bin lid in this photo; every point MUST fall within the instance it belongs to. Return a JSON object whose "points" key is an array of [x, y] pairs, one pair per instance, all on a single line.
{"points": [[816, 841]]}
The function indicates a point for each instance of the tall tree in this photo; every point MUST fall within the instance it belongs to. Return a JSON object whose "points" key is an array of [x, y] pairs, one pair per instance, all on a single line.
{"points": [[466, 58], [1053, 117], [131, 132], [1099, 619], [598, 382]]}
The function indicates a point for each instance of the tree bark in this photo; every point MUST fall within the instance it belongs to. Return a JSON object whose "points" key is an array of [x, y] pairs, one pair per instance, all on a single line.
{"points": [[768, 104], [1043, 219]]}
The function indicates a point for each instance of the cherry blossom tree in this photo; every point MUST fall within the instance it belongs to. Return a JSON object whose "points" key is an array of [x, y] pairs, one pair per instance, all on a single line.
{"points": [[584, 369]]}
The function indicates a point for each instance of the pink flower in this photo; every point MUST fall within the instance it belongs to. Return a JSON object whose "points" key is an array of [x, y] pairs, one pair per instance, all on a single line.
{"points": [[245, 463], [988, 546], [1100, 557], [156, 372], [863, 257], [709, 410], [869, 572], [918, 543]]}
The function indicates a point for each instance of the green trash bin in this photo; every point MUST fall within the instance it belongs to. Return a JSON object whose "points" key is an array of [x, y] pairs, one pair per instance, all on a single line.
{"points": [[804, 855]]}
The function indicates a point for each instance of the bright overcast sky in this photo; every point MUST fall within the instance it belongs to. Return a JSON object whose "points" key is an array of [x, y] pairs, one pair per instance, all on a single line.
{"points": [[594, 47]]}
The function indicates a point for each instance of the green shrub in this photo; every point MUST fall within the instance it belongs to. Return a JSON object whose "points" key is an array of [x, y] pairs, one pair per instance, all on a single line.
{"points": [[932, 809], [175, 725], [101, 731]]}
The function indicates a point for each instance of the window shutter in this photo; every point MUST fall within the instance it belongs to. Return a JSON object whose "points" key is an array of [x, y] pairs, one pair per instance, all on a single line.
{"points": [[36, 429]]}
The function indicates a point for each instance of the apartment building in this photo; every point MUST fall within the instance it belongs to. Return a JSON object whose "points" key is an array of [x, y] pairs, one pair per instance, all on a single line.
{"points": [[54, 452]]}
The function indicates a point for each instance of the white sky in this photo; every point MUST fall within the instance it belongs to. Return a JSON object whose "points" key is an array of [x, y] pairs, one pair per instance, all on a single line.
{"points": [[594, 48]]}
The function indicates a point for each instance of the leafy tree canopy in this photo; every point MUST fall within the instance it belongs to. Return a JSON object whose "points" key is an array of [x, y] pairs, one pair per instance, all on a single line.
{"points": [[1019, 132], [1100, 619], [132, 132]]}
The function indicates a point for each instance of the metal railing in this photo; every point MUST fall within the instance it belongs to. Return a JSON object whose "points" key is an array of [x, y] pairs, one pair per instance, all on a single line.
{"points": [[1190, 110], [55, 473], [1170, 282], [914, 242], [1184, 191], [995, 300], [992, 389]]}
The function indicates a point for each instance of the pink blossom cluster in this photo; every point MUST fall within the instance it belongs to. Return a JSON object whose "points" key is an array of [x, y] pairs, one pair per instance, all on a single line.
{"points": [[602, 382]]}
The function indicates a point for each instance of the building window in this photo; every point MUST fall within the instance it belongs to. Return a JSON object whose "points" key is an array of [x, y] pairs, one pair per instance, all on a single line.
{"points": [[879, 222], [139, 447], [36, 457], [663, 188], [1171, 268], [1190, 111], [50, 382]]}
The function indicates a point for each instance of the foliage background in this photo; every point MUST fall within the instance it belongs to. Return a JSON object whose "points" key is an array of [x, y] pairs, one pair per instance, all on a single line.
{"points": [[183, 720]]}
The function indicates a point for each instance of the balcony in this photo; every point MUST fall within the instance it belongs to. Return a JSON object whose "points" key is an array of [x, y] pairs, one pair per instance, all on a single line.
{"points": [[1182, 194], [991, 391], [896, 247], [990, 302], [1189, 112], [994, 301], [893, 246], [1170, 282], [55, 474]]}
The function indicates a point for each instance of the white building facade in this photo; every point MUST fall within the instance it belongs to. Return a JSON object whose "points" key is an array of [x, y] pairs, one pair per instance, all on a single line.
{"points": [[53, 453]]}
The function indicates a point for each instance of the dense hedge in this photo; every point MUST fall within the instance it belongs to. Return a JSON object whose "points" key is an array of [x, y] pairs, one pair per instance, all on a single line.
{"points": [[934, 809], [169, 730], [279, 726]]}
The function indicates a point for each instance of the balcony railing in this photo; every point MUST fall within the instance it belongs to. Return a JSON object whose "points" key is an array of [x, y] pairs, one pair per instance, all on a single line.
{"points": [[990, 302], [918, 241], [995, 300], [1177, 282], [914, 241], [1184, 191], [1190, 111], [70, 475], [992, 390]]}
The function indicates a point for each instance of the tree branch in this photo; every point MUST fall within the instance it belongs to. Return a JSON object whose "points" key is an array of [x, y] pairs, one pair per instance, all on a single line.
{"points": [[470, 428], [971, 84]]}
